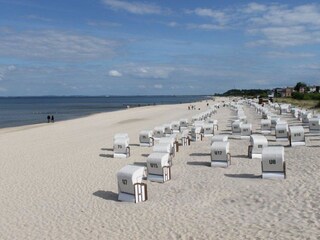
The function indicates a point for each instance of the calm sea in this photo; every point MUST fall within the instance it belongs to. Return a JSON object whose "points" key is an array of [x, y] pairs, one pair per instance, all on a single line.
{"points": [[18, 111]]}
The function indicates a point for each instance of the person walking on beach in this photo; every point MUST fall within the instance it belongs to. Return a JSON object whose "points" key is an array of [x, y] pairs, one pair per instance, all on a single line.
{"points": [[48, 118], [52, 119]]}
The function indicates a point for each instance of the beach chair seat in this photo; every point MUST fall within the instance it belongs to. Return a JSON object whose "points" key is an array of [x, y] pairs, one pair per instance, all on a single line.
{"points": [[158, 132], [273, 164], [185, 139], [245, 130], [130, 184], [173, 143], [158, 167], [175, 127], [219, 138], [281, 131], [196, 134], [146, 138], [314, 124], [167, 129], [220, 155], [235, 127], [208, 130], [121, 147], [265, 126], [296, 136], [256, 145]]}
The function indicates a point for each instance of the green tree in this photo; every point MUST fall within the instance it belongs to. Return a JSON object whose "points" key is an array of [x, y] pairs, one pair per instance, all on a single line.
{"points": [[299, 85]]}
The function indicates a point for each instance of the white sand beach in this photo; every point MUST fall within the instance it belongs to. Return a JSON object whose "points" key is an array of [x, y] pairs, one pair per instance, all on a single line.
{"points": [[58, 181]]}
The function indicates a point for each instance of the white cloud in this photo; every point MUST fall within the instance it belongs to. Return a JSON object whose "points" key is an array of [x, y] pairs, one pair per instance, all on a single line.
{"points": [[38, 18], [290, 55], [173, 24], [103, 24], [134, 7], [115, 73], [154, 72], [255, 7], [205, 26], [158, 86], [280, 25], [4, 70], [55, 45], [216, 15]]}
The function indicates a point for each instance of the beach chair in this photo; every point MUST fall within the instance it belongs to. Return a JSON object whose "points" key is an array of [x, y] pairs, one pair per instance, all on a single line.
{"points": [[183, 124], [196, 134], [167, 129], [158, 167], [245, 130], [236, 127], [274, 120], [281, 131], [146, 138], [185, 139], [296, 136], [158, 132], [164, 148], [220, 155], [273, 164], [305, 117], [175, 127], [208, 130], [130, 185], [219, 138], [284, 108], [215, 124], [173, 143], [314, 124], [256, 145], [121, 147], [265, 126]]}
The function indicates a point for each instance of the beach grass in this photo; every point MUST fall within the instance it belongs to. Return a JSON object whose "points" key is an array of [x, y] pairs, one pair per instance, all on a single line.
{"points": [[309, 104]]}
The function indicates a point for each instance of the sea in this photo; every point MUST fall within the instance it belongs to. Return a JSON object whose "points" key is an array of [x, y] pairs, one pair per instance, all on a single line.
{"points": [[20, 111]]}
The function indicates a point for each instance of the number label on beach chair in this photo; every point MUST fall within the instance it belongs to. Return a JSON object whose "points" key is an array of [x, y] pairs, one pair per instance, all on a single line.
{"points": [[297, 135], [260, 146], [153, 165], [217, 152], [119, 146], [281, 131], [124, 182], [272, 161]]}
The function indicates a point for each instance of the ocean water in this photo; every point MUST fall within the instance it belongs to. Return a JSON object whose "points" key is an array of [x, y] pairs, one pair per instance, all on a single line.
{"points": [[19, 111]]}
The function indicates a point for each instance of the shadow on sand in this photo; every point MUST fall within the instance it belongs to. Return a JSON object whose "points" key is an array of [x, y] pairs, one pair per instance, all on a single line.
{"points": [[199, 154], [243, 175], [144, 164], [106, 155], [106, 149], [107, 195], [200, 163], [134, 145]]}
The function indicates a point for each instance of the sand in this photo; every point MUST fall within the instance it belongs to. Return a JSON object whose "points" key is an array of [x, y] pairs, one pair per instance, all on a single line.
{"points": [[58, 181]]}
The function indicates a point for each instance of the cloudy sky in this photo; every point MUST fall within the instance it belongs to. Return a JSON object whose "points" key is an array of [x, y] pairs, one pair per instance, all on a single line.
{"points": [[122, 47]]}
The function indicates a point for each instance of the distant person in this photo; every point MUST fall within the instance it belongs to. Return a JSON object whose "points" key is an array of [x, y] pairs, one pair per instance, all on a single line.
{"points": [[52, 119], [48, 118]]}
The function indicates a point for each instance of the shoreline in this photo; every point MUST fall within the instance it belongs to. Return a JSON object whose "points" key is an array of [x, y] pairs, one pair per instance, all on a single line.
{"points": [[37, 125], [81, 115]]}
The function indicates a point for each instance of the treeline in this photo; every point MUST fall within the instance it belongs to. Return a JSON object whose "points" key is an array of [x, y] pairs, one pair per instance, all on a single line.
{"points": [[306, 96], [245, 93]]}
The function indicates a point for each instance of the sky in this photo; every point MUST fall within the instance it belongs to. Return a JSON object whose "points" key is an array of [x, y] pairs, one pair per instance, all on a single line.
{"points": [[156, 47]]}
